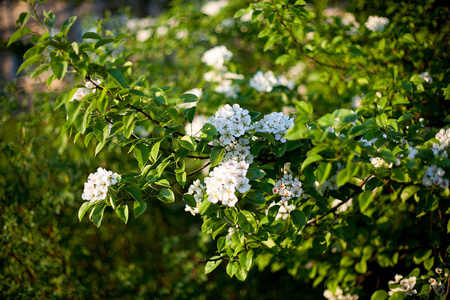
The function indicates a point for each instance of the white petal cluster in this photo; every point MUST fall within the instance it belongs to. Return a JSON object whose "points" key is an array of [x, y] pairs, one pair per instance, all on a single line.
{"points": [[375, 23], [406, 285], [96, 188], [239, 151], [196, 189], [231, 123], [212, 8], [434, 175], [443, 136], [343, 207], [84, 91], [378, 162], [438, 287], [275, 123], [217, 56], [224, 180], [426, 76], [339, 295], [265, 82], [412, 153], [288, 187]]}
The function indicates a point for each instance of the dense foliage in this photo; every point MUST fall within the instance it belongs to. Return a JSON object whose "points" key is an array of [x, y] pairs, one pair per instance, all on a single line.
{"points": [[323, 130]]}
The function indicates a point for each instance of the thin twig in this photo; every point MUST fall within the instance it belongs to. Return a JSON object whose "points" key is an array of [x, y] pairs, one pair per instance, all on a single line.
{"points": [[199, 169]]}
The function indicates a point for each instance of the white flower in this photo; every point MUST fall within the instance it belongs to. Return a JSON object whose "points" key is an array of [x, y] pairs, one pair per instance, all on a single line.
{"points": [[96, 188], [375, 23], [84, 91], [275, 123], [426, 76], [217, 56], [263, 82], [212, 8], [412, 153]]}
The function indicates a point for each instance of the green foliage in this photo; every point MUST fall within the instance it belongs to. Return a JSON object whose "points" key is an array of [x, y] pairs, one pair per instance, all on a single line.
{"points": [[359, 189]]}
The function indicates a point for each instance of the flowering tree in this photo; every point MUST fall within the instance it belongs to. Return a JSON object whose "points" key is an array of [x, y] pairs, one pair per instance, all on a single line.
{"points": [[337, 169]]}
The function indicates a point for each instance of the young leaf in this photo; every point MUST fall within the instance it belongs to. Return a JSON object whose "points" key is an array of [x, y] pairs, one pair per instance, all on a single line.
{"points": [[166, 195], [84, 208], [211, 265], [217, 154], [18, 34], [96, 215], [122, 212], [138, 208]]}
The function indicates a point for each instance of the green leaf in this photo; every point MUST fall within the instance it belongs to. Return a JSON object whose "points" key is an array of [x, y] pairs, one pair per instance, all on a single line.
{"points": [[65, 27], [142, 154], [102, 101], [23, 18], [91, 35], [241, 273], [298, 218], [122, 212], [155, 151], [181, 178], [118, 77], [211, 265], [18, 34], [217, 154], [166, 195], [324, 171], [232, 268], [190, 200], [245, 259], [255, 174], [209, 129], [408, 192], [135, 192], [28, 62], [379, 295], [103, 42], [96, 215], [88, 138], [139, 208], [191, 114], [84, 208], [188, 142], [59, 68], [311, 159], [187, 98], [247, 221], [365, 198], [255, 197], [74, 110]]}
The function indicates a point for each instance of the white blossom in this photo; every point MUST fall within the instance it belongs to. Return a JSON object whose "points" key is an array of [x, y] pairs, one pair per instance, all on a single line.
{"points": [[217, 56], [212, 8], [375, 23], [96, 188], [426, 76]]}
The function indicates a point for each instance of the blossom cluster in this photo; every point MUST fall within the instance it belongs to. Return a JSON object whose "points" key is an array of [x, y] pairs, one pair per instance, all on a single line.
{"points": [[239, 151], [196, 189], [265, 82], [275, 123], [406, 285], [375, 23], [288, 187], [443, 136], [339, 295], [225, 81], [212, 8], [434, 176], [426, 76], [96, 188], [231, 122], [84, 91], [217, 56], [378, 162], [437, 286], [224, 180]]}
